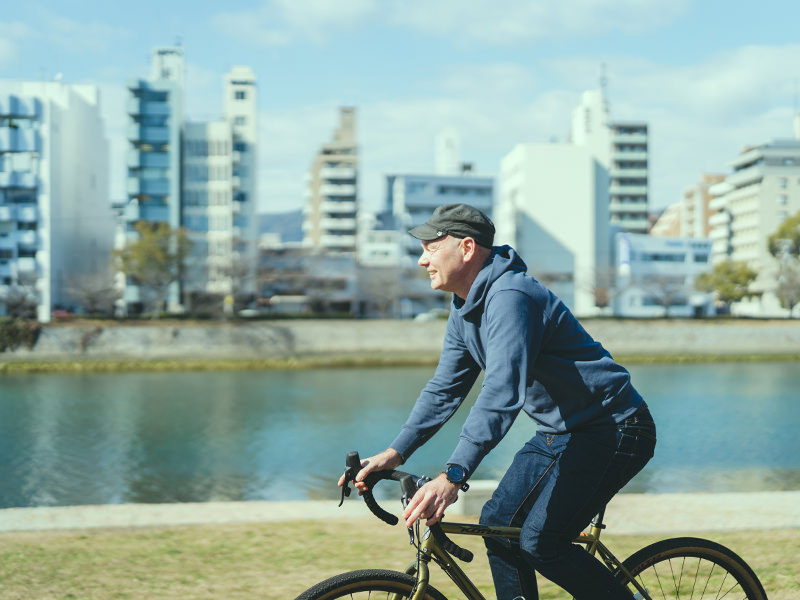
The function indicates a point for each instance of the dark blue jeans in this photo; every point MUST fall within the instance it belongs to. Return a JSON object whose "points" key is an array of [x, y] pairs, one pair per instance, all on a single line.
{"points": [[554, 487]]}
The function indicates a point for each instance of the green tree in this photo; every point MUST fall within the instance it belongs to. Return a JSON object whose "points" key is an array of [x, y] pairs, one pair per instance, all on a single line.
{"points": [[154, 261], [784, 245], [729, 280]]}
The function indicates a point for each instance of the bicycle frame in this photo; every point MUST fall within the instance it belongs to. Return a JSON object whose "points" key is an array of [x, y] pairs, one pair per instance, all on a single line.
{"points": [[430, 549]]}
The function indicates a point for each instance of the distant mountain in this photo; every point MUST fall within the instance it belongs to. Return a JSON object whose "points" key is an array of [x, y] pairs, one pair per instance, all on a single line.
{"points": [[288, 224]]}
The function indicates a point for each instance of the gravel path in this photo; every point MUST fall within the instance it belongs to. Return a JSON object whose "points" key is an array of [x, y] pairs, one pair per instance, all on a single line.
{"points": [[627, 513]]}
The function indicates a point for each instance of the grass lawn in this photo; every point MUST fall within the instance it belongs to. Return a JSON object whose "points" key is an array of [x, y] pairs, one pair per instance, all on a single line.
{"points": [[279, 560]]}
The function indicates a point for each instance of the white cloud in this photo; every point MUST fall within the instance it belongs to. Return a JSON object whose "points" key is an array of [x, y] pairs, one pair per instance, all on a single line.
{"points": [[10, 35], [74, 35], [282, 22], [523, 21]]}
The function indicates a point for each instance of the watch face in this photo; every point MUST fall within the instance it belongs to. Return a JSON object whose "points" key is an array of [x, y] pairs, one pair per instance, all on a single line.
{"points": [[456, 473]]}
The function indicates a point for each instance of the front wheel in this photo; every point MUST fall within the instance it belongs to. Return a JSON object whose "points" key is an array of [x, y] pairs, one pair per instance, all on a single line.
{"points": [[372, 584], [691, 568]]}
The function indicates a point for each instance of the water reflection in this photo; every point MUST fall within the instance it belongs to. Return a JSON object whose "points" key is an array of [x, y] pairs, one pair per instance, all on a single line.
{"points": [[151, 437]]}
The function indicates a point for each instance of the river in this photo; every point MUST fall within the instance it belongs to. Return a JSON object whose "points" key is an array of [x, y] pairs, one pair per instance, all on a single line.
{"points": [[282, 435]]}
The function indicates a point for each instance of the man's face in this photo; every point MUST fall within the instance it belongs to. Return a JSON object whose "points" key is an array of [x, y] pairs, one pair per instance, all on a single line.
{"points": [[443, 261]]}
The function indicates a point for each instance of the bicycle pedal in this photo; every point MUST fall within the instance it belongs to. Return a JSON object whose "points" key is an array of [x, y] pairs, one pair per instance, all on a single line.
{"points": [[638, 595]]}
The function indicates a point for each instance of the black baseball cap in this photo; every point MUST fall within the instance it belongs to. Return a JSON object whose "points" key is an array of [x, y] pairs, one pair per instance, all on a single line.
{"points": [[458, 220]]}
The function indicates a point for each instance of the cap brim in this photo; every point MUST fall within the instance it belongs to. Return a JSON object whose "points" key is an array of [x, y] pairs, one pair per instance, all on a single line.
{"points": [[426, 232]]}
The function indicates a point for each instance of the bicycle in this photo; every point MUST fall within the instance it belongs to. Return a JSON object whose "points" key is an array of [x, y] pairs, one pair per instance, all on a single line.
{"points": [[685, 568]]}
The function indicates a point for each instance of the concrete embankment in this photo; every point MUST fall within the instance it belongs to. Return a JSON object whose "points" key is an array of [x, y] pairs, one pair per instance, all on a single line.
{"points": [[382, 339]]}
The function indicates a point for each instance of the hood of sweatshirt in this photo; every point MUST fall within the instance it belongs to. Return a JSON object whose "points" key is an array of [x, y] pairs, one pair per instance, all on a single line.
{"points": [[503, 259]]}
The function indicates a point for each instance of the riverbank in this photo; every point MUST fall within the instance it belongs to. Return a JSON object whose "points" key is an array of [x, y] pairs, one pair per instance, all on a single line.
{"points": [[285, 344], [627, 514]]}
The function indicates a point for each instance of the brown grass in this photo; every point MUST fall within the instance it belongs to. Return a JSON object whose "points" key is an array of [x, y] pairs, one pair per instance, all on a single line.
{"points": [[279, 560]]}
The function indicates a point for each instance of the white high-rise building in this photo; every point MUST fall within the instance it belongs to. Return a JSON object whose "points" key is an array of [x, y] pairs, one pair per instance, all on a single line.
{"points": [[762, 191], [56, 223], [622, 148], [553, 209], [241, 111]]}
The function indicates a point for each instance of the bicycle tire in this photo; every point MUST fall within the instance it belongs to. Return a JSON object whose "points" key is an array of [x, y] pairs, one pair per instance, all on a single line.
{"points": [[372, 584], [692, 568]]}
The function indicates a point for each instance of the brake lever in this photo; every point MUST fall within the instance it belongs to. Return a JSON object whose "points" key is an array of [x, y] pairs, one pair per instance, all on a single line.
{"points": [[353, 464]]}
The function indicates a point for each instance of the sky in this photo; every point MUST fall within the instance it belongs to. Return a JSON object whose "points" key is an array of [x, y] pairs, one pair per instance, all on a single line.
{"points": [[710, 77]]}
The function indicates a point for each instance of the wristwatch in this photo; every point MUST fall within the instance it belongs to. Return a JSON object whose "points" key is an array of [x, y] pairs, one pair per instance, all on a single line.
{"points": [[457, 475]]}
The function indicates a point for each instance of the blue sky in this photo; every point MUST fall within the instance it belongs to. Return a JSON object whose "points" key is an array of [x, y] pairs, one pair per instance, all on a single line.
{"points": [[710, 77]]}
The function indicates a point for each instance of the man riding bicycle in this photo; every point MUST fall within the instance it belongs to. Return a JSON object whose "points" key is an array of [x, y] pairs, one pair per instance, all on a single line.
{"points": [[593, 429]]}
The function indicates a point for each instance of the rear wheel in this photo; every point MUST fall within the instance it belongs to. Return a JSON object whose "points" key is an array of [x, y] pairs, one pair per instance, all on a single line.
{"points": [[692, 569], [370, 584]]}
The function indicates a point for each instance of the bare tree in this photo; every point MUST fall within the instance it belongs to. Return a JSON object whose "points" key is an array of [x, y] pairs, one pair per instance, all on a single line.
{"points": [[20, 301], [95, 292]]}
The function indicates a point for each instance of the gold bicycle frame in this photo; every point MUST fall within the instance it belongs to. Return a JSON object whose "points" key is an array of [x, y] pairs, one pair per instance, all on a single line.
{"points": [[430, 549]]}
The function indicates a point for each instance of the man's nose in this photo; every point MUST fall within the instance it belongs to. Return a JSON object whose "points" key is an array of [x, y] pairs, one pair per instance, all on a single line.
{"points": [[423, 258]]}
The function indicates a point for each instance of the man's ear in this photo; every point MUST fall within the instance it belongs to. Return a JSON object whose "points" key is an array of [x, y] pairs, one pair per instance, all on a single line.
{"points": [[469, 247]]}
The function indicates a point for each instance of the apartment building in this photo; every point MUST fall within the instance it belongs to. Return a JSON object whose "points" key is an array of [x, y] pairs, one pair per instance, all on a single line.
{"points": [[331, 213], [198, 175], [219, 193], [655, 276], [691, 216], [622, 148], [154, 161], [56, 223], [749, 205]]}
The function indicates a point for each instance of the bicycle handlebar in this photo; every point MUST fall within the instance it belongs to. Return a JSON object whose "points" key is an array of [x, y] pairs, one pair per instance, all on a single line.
{"points": [[409, 484]]}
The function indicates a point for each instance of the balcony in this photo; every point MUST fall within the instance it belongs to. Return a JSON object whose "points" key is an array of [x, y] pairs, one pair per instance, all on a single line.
{"points": [[340, 242], [154, 187], [26, 264], [628, 156], [338, 224], [28, 238], [635, 225], [338, 208], [720, 218], [337, 191], [132, 212], [150, 135], [628, 190], [27, 214], [338, 173], [621, 172], [7, 213], [628, 207], [629, 138], [137, 106], [137, 159]]}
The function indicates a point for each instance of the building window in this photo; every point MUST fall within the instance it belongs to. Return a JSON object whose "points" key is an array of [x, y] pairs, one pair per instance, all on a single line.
{"points": [[783, 199], [782, 183], [239, 120], [240, 94]]}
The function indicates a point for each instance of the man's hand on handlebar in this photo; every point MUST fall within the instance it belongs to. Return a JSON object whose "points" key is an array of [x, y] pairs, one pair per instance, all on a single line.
{"points": [[430, 501], [388, 459]]}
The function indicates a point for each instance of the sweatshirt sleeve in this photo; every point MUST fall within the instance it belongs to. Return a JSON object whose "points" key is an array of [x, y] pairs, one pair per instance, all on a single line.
{"points": [[513, 336], [441, 396]]}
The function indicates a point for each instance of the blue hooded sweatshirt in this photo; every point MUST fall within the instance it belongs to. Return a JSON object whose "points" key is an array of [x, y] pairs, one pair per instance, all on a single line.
{"points": [[536, 357]]}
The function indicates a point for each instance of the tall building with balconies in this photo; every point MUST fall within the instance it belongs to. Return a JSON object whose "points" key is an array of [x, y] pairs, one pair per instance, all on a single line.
{"points": [[155, 143], [331, 215], [622, 148], [749, 205], [628, 175], [56, 223], [202, 176]]}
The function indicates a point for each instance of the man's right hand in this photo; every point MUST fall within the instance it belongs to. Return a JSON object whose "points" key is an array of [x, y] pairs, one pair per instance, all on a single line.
{"points": [[388, 459]]}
